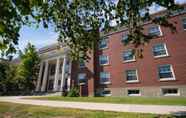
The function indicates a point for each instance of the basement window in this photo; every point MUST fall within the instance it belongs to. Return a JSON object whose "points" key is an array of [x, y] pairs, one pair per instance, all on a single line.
{"points": [[170, 92], [105, 93], [134, 92]]}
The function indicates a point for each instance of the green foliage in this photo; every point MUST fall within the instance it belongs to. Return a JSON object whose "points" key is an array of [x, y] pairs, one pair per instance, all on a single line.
{"points": [[74, 92], [8, 83], [79, 22], [20, 78], [28, 68]]}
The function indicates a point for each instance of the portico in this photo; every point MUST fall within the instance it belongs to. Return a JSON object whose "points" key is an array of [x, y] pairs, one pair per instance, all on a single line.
{"points": [[55, 68]]}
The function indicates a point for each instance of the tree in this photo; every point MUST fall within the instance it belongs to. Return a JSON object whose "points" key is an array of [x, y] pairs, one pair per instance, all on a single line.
{"points": [[28, 68], [8, 83], [79, 22]]}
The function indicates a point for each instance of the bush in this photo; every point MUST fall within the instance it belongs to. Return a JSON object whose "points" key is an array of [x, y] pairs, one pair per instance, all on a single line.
{"points": [[74, 92]]}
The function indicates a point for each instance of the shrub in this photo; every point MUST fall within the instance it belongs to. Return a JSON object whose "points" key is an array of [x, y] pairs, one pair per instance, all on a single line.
{"points": [[74, 92]]}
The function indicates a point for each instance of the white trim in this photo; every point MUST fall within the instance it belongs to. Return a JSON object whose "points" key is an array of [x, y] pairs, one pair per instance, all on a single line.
{"points": [[132, 81], [166, 50], [105, 83], [167, 79], [161, 33], [133, 60]]}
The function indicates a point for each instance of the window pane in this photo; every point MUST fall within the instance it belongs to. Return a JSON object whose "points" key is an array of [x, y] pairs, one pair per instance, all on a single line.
{"points": [[106, 92], [170, 91], [82, 78], [103, 43], [131, 75], [128, 55], [133, 92], [159, 49], [165, 71], [154, 31], [103, 59], [124, 38], [184, 23], [104, 77]]}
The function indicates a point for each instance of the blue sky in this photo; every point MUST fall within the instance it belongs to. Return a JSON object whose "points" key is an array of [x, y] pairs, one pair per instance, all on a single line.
{"points": [[41, 37]]}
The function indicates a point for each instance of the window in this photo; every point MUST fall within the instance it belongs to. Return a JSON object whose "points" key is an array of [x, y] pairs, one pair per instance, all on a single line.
{"points": [[170, 91], [131, 76], [166, 72], [124, 38], [128, 56], [81, 78], [81, 63], [104, 78], [103, 60], [103, 43], [184, 23], [134, 92], [105, 93], [160, 50], [155, 31]]}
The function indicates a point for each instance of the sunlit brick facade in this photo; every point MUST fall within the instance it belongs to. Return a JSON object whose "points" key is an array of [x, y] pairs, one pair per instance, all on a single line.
{"points": [[114, 71]]}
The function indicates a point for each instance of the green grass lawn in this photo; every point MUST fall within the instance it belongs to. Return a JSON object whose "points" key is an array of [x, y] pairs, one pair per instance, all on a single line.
{"points": [[29, 111], [122, 100]]}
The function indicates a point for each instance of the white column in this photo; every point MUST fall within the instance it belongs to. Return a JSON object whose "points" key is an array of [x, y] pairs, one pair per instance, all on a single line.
{"points": [[43, 88], [63, 73], [55, 87], [39, 77], [69, 75]]}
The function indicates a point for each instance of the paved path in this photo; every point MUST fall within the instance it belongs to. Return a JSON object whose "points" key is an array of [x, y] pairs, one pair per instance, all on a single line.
{"points": [[157, 109]]}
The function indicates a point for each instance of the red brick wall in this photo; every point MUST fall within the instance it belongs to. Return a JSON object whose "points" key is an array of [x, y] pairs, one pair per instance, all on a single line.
{"points": [[147, 67], [88, 88]]}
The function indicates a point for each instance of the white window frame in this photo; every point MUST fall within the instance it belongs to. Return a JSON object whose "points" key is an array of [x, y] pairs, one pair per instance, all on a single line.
{"points": [[133, 94], [183, 23], [103, 39], [167, 79], [109, 82], [177, 94], [101, 93], [159, 27], [132, 81], [84, 74], [105, 63], [134, 57], [166, 50]]}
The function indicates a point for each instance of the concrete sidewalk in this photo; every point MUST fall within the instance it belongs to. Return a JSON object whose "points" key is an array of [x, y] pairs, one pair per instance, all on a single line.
{"points": [[156, 109]]}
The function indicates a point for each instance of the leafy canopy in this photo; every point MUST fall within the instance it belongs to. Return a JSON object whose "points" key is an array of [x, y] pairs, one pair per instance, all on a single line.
{"points": [[79, 22], [28, 67]]}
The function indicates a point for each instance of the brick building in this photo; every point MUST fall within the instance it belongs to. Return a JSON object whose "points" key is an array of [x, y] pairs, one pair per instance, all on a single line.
{"points": [[113, 70]]}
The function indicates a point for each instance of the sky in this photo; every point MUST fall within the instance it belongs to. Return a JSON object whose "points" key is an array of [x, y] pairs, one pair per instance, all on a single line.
{"points": [[41, 37]]}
